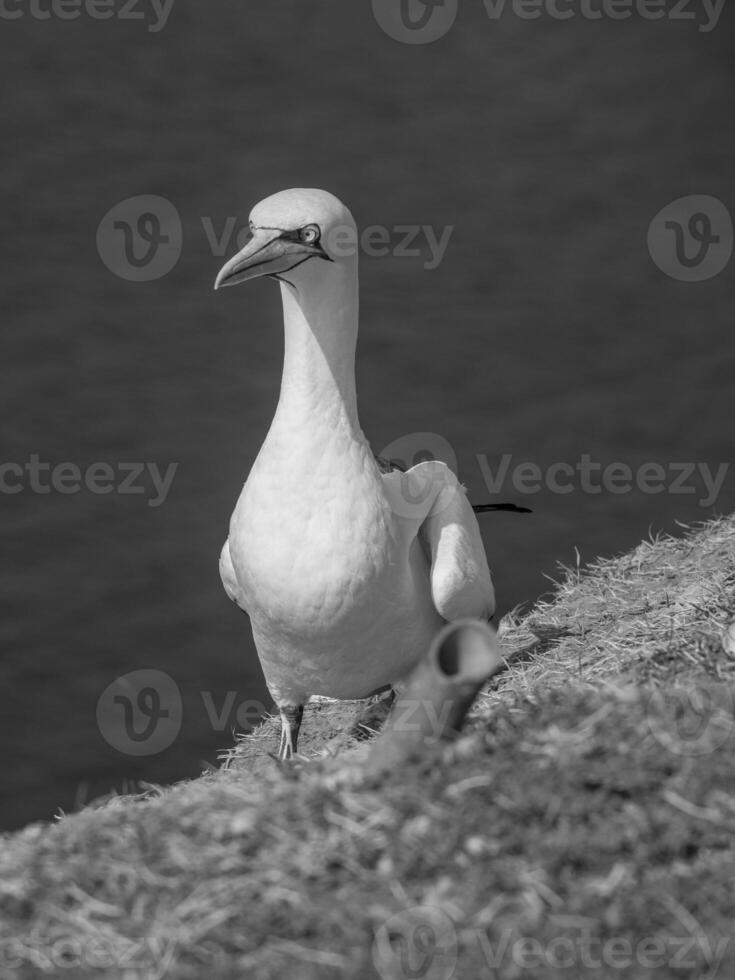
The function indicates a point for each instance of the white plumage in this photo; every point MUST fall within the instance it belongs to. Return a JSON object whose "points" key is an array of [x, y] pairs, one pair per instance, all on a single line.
{"points": [[345, 571]]}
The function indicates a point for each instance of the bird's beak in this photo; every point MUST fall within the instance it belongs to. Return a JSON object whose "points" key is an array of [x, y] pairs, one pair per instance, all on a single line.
{"points": [[268, 253]]}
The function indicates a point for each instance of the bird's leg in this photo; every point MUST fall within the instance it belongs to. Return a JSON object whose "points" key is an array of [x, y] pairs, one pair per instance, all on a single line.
{"points": [[374, 715], [291, 715]]}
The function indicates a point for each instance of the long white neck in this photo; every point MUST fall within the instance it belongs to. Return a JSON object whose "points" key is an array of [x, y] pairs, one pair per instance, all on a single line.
{"points": [[320, 323]]}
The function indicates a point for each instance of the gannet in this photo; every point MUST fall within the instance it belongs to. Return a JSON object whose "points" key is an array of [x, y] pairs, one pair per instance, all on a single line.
{"points": [[347, 567]]}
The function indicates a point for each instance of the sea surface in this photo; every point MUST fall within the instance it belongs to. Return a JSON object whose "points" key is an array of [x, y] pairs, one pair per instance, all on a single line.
{"points": [[545, 335]]}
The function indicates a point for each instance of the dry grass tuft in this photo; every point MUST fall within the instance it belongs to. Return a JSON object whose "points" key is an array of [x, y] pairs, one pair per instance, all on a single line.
{"points": [[622, 613]]}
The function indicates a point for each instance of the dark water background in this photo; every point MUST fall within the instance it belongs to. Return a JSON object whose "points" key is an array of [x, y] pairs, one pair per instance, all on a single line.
{"points": [[546, 332]]}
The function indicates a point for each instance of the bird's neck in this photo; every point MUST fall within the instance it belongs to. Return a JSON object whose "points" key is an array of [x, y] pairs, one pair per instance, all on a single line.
{"points": [[320, 324]]}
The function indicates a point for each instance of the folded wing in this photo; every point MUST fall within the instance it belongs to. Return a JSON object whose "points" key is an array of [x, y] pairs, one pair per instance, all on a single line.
{"points": [[434, 503], [229, 579]]}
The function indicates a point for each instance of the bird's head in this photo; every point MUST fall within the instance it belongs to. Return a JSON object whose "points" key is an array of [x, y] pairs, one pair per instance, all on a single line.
{"points": [[296, 236]]}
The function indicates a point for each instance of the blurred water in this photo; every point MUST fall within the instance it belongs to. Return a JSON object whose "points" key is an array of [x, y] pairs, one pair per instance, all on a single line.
{"points": [[546, 331]]}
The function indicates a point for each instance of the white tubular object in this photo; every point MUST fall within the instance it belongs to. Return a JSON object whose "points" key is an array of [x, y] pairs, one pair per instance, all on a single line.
{"points": [[439, 692]]}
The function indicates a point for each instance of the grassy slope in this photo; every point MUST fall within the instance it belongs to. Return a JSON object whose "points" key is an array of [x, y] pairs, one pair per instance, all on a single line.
{"points": [[586, 817]]}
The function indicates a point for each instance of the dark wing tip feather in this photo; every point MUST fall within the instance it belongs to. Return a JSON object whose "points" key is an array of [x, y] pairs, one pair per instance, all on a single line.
{"points": [[389, 465]]}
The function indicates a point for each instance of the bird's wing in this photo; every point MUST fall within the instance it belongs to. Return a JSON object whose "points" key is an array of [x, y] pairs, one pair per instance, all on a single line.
{"points": [[430, 497], [388, 465], [229, 579]]}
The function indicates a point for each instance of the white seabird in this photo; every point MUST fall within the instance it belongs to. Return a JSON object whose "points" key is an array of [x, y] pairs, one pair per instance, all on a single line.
{"points": [[346, 571]]}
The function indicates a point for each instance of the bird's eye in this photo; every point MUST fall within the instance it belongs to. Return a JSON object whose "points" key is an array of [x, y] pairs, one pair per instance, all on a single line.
{"points": [[310, 234]]}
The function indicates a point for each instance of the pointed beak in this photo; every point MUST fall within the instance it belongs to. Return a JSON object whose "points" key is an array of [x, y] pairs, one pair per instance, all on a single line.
{"points": [[267, 253]]}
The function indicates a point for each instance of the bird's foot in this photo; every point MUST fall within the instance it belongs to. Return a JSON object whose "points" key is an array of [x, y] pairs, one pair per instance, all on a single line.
{"points": [[291, 716], [372, 717]]}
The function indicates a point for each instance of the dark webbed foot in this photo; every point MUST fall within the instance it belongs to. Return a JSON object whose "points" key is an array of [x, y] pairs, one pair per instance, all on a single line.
{"points": [[373, 716], [291, 715]]}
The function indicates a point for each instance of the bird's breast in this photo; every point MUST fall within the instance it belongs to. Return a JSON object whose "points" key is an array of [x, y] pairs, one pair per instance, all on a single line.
{"points": [[313, 545]]}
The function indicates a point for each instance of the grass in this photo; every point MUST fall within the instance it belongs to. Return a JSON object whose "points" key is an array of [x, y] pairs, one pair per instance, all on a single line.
{"points": [[582, 825]]}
